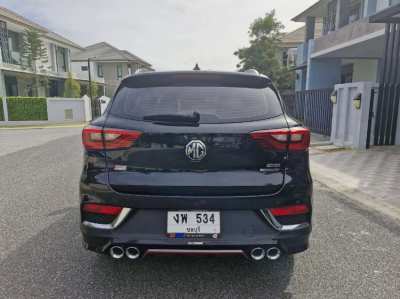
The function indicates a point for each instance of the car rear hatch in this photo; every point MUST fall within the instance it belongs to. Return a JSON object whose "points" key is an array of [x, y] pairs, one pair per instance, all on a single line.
{"points": [[195, 136]]}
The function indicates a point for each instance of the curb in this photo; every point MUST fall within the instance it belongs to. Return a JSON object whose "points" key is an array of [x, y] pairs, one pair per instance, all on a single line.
{"points": [[345, 187], [55, 126]]}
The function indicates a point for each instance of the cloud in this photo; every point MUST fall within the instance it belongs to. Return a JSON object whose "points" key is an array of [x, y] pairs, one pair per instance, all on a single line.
{"points": [[170, 34]]}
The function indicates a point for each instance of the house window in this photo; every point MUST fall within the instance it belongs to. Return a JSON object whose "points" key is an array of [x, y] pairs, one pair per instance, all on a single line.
{"points": [[291, 57], [119, 71], [100, 73], [14, 39], [330, 18], [285, 58], [62, 59], [347, 73], [84, 68], [354, 11], [14, 42]]}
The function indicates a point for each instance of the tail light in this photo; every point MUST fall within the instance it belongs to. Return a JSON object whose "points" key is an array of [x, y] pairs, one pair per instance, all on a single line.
{"points": [[293, 139], [95, 138], [101, 209], [299, 209], [99, 213]]}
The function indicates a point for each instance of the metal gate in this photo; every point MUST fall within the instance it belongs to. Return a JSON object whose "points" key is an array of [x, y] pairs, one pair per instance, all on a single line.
{"points": [[387, 105], [311, 107], [385, 101], [96, 108]]}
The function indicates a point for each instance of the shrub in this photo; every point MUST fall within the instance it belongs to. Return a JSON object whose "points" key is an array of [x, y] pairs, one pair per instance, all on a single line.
{"points": [[72, 88], [26, 108], [1, 110]]}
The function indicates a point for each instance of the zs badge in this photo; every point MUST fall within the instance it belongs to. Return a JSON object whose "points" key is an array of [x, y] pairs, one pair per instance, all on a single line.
{"points": [[196, 150]]}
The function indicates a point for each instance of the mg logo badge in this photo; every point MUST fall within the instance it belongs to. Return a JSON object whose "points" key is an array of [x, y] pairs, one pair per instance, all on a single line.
{"points": [[196, 150]]}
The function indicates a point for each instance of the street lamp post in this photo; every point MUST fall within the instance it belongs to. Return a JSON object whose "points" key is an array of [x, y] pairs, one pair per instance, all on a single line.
{"points": [[90, 79]]}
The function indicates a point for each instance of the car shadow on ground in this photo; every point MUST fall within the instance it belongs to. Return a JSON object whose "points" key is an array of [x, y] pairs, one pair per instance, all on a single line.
{"points": [[53, 263]]}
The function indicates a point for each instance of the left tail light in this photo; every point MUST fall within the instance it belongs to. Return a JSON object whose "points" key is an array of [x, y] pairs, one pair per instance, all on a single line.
{"points": [[99, 213], [101, 209], [95, 138]]}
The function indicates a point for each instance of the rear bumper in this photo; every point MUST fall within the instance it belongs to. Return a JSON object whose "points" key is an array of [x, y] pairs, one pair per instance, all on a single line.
{"points": [[290, 245], [243, 227], [241, 231]]}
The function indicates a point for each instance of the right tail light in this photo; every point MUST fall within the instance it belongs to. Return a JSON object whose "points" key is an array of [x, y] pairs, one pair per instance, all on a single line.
{"points": [[293, 139]]}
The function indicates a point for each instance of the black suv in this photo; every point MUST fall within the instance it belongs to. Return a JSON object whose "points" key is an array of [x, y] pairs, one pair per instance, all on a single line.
{"points": [[196, 163]]}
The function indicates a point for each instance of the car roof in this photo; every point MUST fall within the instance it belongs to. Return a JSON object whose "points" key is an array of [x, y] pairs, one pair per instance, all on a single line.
{"points": [[197, 78]]}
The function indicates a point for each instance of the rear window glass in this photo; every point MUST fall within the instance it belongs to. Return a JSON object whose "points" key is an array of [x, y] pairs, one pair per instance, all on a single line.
{"points": [[215, 104]]}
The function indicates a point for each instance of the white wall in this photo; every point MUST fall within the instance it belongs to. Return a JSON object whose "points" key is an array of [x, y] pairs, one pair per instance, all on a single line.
{"points": [[382, 4], [349, 125], [76, 67], [363, 69], [57, 108], [104, 101]]}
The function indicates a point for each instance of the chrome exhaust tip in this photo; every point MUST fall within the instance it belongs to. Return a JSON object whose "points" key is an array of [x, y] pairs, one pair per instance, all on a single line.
{"points": [[132, 253], [117, 252], [257, 254], [273, 253]]}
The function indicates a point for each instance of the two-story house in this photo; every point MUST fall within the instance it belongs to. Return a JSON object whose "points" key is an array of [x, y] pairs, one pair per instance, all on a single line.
{"points": [[16, 78], [356, 60], [107, 62], [350, 48], [291, 41]]}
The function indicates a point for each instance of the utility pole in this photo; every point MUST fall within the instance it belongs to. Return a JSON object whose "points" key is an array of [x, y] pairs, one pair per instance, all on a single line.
{"points": [[90, 79]]}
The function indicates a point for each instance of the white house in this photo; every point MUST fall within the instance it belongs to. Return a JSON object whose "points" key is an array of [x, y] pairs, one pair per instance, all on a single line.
{"points": [[107, 63], [16, 79]]}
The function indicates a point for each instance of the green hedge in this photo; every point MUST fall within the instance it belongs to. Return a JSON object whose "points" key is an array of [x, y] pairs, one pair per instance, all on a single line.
{"points": [[1, 110], [26, 108]]}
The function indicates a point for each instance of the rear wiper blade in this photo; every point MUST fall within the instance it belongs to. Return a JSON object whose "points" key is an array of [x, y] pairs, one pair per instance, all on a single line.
{"points": [[179, 118]]}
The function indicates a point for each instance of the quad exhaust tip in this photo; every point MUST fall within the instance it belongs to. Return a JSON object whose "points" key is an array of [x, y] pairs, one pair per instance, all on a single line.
{"points": [[132, 253], [117, 252], [273, 253], [257, 254]]}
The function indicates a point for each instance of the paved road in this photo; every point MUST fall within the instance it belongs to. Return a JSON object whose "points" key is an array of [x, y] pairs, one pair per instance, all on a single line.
{"points": [[354, 254]]}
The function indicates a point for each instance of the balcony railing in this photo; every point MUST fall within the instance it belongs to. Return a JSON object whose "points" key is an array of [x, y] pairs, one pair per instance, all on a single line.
{"points": [[347, 33]]}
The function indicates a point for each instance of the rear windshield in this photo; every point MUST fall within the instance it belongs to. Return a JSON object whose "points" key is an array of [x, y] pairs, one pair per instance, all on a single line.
{"points": [[214, 104]]}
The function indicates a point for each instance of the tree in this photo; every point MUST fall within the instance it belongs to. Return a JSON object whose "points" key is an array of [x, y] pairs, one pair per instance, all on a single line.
{"points": [[263, 54], [72, 89], [34, 56]]}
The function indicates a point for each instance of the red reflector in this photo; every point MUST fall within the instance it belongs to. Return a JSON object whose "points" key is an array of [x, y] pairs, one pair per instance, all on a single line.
{"points": [[101, 209], [293, 139], [94, 138], [290, 210]]}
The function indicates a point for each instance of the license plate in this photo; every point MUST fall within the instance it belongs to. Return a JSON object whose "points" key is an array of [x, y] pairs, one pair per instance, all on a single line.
{"points": [[187, 224]]}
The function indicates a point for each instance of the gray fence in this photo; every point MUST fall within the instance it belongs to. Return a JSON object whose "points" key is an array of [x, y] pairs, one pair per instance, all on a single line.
{"points": [[311, 107]]}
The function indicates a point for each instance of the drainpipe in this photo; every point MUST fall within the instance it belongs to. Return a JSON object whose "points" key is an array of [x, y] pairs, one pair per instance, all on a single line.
{"points": [[338, 15]]}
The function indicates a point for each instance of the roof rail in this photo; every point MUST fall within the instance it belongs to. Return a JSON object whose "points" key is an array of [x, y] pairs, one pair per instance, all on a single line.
{"points": [[252, 71]]}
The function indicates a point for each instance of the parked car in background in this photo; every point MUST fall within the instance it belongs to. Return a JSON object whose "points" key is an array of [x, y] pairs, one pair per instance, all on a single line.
{"points": [[196, 163]]}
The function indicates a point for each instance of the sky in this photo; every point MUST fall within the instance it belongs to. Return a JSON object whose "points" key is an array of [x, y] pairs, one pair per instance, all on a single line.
{"points": [[170, 34]]}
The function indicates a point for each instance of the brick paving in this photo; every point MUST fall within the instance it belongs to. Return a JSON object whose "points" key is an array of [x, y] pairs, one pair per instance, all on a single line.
{"points": [[375, 172]]}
